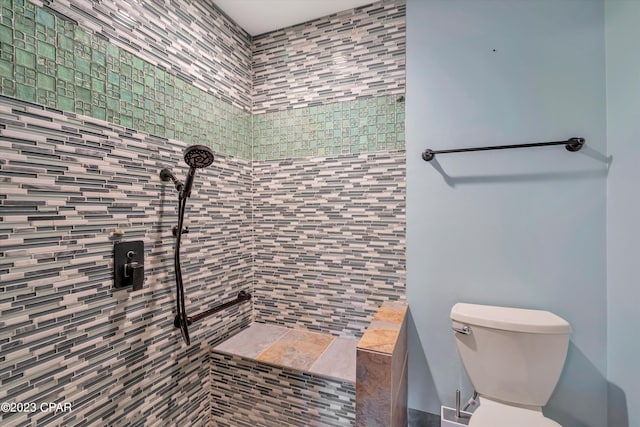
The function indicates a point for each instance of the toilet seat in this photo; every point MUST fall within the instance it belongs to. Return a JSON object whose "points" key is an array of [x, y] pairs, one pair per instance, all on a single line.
{"points": [[496, 414]]}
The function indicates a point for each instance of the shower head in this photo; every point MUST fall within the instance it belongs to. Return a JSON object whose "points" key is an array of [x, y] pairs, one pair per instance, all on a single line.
{"points": [[198, 156]]}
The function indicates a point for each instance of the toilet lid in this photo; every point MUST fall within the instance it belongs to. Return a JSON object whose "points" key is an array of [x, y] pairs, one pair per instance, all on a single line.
{"points": [[495, 414]]}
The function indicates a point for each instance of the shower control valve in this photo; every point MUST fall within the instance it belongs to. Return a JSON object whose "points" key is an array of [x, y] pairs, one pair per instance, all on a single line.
{"points": [[128, 264]]}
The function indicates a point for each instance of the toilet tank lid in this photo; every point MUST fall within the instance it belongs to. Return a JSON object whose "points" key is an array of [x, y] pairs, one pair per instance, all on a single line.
{"points": [[510, 319]]}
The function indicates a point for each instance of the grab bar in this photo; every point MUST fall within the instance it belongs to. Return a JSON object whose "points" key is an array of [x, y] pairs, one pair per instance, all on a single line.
{"points": [[242, 296]]}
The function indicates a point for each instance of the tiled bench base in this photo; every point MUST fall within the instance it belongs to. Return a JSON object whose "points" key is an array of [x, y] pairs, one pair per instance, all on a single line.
{"points": [[268, 375], [382, 357]]}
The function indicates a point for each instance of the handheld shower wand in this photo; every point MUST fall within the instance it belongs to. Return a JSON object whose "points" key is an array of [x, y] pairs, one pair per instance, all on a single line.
{"points": [[196, 157]]}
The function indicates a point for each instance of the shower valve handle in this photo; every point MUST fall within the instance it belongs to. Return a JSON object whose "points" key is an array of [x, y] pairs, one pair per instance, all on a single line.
{"points": [[134, 273]]}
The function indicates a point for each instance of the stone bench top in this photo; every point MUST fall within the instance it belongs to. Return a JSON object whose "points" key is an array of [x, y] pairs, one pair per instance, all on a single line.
{"points": [[383, 332], [313, 352], [317, 353]]}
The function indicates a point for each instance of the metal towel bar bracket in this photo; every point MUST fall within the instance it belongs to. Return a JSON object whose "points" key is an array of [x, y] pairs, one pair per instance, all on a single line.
{"points": [[572, 144]]}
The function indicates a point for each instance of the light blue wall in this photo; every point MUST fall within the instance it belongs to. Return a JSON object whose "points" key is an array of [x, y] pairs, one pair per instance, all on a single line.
{"points": [[519, 227], [623, 210]]}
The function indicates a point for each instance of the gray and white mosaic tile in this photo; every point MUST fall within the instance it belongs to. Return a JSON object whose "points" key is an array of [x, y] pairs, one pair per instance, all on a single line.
{"points": [[329, 240], [192, 39], [66, 183], [245, 393], [355, 53]]}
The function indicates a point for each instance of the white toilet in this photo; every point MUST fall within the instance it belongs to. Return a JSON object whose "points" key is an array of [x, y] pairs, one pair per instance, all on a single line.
{"points": [[514, 358]]}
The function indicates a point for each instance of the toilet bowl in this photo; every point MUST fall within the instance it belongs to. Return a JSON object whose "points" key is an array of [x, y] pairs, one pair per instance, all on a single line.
{"points": [[514, 358]]}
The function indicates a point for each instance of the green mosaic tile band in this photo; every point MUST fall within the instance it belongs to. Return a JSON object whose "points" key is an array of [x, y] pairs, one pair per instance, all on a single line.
{"points": [[52, 61], [351, 127]]}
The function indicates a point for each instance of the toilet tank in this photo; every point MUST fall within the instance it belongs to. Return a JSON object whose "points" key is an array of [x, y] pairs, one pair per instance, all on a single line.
{"points": [[511, 354]]}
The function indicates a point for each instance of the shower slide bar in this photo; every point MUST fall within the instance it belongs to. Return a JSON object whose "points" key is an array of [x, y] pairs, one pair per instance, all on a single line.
{"points": [[242, 297], [572, 144]]}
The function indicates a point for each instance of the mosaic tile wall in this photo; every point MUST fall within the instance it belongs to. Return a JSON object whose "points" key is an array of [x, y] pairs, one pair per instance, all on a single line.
{"points": [[329, 231], [341, 57], [329, 240], [193, 39], [330, 218], [49, 59], [66, 182], [248, 394], [365, 125]]}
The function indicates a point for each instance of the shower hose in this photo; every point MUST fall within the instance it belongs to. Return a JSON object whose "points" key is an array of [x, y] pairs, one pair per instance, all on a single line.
{"points": [[181, 320]]}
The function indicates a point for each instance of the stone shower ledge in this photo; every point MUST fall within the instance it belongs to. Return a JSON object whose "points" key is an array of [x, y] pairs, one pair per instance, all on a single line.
{"points": [[317, 353]]}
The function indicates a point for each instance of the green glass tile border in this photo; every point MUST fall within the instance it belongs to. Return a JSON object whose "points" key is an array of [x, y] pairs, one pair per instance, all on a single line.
{"points": [[363, 125], [54, 62], [51, 61]]}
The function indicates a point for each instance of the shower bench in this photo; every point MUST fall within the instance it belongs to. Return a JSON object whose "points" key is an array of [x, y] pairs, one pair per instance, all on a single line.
{"points": [[270, 375]]}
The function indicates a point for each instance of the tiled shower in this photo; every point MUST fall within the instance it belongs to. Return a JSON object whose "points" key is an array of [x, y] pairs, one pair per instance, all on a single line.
{"points": [[304, 205]]}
